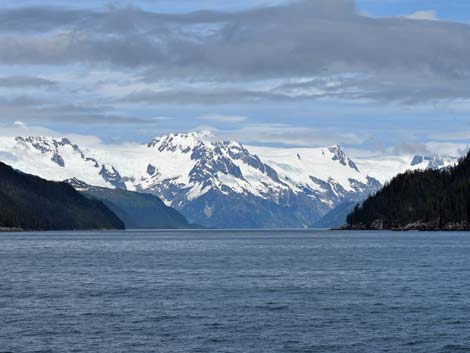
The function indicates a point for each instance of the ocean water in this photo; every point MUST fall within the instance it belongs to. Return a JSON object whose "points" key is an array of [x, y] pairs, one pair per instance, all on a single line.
{"points": [[228, 291]]}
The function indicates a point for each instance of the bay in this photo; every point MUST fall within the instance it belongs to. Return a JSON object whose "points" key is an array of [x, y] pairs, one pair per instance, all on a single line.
{"points": [[234, 291]]}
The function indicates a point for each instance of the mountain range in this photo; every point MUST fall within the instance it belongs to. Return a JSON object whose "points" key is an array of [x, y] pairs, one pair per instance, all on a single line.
{"points": [[214, 183]]}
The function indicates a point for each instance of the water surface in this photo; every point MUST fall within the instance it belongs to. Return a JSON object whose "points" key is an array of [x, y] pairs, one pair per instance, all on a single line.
{"points": [[210, 291]]}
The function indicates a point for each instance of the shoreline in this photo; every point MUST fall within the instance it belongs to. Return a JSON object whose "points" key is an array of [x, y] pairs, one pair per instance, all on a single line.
{"points": [[11, 230], [462, 226]]}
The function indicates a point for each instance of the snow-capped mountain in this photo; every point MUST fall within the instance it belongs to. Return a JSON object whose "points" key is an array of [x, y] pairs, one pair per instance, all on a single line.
{"points": [[226, 184], [213, 183], [324, 173], [55, 159], [384, 168], [434, 162]]}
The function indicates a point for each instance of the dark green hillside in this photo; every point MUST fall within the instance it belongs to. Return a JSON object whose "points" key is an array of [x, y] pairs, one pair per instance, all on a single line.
{"points": [[421, 200], [30, 203], [137, 210]]}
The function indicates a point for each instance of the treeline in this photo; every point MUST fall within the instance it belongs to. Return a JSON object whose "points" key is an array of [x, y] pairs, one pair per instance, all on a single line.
{"points": [[421, 200], [28, 202]]}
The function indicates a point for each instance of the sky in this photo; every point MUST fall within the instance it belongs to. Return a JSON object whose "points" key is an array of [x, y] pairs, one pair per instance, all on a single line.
{"points": [[375, 76]]}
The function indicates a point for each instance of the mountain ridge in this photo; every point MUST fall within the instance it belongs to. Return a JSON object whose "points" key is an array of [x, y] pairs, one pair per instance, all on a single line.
{"points": [[212, 182], [136, 210]]}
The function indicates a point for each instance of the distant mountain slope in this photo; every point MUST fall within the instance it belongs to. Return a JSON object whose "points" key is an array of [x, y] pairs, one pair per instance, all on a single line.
{"points": [[384, 168], [31, 203], [136, 210], [336, 218], [422, 200], [57, 159]]}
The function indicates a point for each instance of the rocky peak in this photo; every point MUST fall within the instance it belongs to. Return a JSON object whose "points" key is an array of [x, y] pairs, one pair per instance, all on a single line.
{"points": [[339, 155], [78, 184], [181, 142], [435, 162], [49, 145], [112, 176]]}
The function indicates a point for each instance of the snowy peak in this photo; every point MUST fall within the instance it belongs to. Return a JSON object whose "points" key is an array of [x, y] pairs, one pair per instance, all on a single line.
{"points": [[49, 145], [55, 147], [436, 162], [57, 159], [180, 142], [384, 167], [213, 164], [43, 143], [337, 154], [77, 184]]}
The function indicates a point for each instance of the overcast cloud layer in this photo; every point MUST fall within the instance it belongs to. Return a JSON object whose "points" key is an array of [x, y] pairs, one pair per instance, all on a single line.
{"points": [[100, 65], [398, 58]]}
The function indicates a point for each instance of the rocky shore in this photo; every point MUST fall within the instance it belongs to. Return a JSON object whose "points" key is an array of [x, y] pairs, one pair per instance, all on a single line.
{"points": [[380, 224]]}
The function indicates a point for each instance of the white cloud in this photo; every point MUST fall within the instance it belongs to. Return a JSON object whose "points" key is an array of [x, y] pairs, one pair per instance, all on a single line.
{"points": [[18, 128], [224, 118], [429, 15], [19, 124], [288, 135], [448, 148]]}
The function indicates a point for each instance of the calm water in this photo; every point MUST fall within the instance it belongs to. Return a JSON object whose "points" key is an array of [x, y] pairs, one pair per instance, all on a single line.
{"points": [[234, 292]]}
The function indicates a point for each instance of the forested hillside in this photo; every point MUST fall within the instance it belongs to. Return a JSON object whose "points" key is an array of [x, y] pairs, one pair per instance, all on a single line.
{"points": [[136, 210], [28, 202], [419, 200]]}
